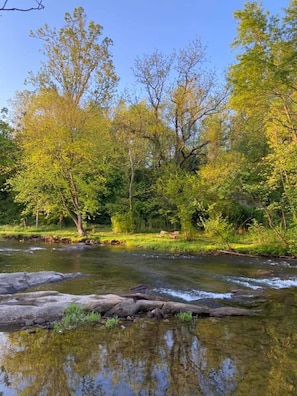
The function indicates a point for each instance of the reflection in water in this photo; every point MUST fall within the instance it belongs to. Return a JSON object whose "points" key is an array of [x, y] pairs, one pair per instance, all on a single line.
{"points": [[210, 357], [231, 356]]}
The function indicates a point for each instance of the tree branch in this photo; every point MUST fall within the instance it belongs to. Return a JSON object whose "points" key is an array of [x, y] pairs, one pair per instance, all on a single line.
{"points": [[39, 6]]}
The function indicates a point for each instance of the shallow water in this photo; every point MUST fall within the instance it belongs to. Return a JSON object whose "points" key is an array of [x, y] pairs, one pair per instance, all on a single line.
{"points": [[231, 356]]}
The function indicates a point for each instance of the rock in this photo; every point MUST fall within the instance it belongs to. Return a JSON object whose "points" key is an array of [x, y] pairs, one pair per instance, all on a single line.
{"points": [[262, 272], [11, 283], [229, 311], [156, 313], [140, 289], [45, 307], [40, 307]]}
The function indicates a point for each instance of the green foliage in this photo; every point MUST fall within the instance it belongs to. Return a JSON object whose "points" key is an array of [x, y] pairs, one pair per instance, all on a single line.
{"points": [[263, 91], [158, 163], [122, 223], [78, 60], [62, 128], [259, 234], [185, 316], [74, 316], [111, 322], [215, 225]]}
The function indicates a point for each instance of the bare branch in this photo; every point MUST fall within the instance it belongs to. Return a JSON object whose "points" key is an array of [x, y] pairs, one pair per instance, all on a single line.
{"points": [[38, 6]]}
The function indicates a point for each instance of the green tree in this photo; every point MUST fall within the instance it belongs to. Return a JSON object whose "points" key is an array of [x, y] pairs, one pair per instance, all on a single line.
{"points": [[65, 157], [263, 83], [63, 126], [9, 153], [78, 64]]}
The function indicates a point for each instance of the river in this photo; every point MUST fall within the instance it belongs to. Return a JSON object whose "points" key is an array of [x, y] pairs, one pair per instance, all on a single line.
{"points": [[254, 355]]}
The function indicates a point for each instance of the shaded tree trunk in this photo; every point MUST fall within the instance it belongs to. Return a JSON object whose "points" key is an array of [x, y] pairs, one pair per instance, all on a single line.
{"points": [[79, 225]]}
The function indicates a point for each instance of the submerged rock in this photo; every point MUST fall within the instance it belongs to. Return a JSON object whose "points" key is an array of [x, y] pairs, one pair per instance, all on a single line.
{"points": [[11, 283]]}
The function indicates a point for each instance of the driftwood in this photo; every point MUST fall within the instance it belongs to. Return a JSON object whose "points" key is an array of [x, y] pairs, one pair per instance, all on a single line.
{"points": [[45, 307]]}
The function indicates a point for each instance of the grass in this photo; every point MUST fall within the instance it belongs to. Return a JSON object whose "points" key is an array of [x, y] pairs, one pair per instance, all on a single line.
{"points": [[185, 316], [200, 242], [74, 316], [111, 322]]}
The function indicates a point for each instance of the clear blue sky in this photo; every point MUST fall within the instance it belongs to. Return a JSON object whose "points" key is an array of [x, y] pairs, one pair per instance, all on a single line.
{"points": [[136, 27]]}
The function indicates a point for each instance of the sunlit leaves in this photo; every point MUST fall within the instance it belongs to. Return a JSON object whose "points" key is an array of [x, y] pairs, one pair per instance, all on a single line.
{"points": [[65, 154], [78, 63]]}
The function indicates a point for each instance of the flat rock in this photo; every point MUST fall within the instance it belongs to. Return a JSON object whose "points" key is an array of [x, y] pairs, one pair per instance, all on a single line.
{"points": [[19, 309], [48, 306], [11, 283]]}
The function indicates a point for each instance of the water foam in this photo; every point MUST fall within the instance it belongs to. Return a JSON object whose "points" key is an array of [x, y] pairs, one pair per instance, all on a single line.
{"points": [[193, 295], [272, 283]]}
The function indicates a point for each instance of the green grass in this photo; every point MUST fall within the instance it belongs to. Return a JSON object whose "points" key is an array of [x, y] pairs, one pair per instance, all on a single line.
{"points": [[200, 243], [111, 322], [185, 316], [74, 316]]}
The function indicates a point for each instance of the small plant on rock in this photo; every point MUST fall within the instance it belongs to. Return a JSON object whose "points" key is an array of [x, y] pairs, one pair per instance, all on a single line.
{"points": [[185, 316], [75, 316], [111, 322]]}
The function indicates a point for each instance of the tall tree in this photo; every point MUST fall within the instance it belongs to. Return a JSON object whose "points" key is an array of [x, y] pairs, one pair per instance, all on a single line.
{"points": [[263, 83], [9, 153], [183, 93], [65, 157], [77, 63], [62, 126], [130, 126]]}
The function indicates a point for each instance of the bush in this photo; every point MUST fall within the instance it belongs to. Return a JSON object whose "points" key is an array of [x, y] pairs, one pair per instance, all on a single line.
{"points": [[122, 223], [218, 227]]}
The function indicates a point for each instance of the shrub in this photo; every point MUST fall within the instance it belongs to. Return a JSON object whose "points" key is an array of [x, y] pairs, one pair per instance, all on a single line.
{"points": [[218, 227], [122, 222]]}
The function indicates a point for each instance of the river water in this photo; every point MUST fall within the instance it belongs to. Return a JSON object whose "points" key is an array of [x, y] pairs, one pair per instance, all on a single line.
{"points": [[254, 355]]}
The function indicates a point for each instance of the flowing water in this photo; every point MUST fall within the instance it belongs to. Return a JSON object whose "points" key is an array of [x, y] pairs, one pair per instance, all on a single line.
{"points": [[254, 355]]}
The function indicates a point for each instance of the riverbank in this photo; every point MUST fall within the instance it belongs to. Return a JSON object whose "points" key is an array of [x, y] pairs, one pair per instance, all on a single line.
{"points": [[200, 243]]}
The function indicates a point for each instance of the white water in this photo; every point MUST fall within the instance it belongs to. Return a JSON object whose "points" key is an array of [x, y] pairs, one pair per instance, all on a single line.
{"points": [[248, 283], [273, 283], [193, 295]]}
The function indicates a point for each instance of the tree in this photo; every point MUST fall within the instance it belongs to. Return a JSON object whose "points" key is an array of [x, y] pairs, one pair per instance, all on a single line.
{"points": [[182, 93], [263, 83], [130, 124], [78, 65], [9, 153], [38, 6], [63, 127], [65, 156]]}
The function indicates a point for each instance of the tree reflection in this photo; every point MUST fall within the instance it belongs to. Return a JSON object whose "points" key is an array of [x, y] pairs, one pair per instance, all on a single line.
{"points": [[239, 356]]}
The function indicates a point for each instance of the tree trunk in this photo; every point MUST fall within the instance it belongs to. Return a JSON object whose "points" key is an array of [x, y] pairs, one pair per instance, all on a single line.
{"points": [[37, 219], [131, 181], [79, 225]]}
